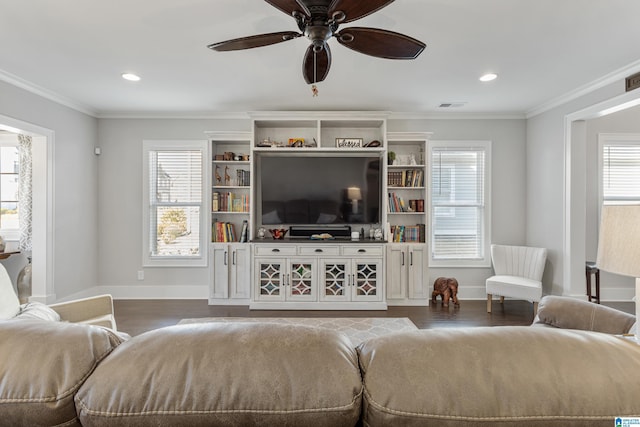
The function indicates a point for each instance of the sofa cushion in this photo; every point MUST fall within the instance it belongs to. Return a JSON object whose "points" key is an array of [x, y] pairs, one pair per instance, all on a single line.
{"points": [[504, 376], [571, 313], [222, 374], [42, 366], [38, 311]]}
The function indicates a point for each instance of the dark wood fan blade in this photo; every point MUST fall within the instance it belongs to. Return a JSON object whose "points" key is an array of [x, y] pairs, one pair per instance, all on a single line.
{"points": [[288, 6], [356, 9], [380, 43], [254, 41], [315, 66]]}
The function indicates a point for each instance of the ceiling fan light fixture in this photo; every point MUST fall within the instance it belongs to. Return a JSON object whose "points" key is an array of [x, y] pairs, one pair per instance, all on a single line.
{"points": [[131, 77], [488, 77]]}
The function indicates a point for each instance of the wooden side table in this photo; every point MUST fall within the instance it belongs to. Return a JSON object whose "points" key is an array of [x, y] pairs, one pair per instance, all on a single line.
{"points": [[590, 268]]}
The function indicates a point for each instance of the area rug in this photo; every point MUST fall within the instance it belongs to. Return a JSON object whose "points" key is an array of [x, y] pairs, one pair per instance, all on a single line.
{"points": [[357, 329]]}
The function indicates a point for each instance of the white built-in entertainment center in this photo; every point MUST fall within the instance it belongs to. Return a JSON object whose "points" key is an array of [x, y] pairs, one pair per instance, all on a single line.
{"points": [[355, 223]]}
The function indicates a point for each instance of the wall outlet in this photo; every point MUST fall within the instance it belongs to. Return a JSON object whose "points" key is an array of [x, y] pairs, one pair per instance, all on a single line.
{"points": [[141, 275]]}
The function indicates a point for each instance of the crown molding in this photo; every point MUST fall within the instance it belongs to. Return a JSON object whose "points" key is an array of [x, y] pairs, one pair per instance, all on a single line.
{"points": [[192, 115], [455, 116], [46, 93], [613, 77]]}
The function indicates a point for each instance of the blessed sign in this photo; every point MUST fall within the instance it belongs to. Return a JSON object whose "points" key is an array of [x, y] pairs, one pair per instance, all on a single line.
{"points": [[349, 142]]}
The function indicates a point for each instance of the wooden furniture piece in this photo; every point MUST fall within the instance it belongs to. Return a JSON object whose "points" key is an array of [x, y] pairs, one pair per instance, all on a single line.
{"points": [[590, 268]]}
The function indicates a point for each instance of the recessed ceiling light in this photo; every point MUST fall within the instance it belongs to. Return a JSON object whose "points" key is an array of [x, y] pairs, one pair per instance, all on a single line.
{"points": [[488, 77], [131, 77]]}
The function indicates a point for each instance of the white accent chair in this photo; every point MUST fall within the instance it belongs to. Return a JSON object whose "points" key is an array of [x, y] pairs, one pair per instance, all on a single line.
{"points": [[518, 273], [96, 310]]}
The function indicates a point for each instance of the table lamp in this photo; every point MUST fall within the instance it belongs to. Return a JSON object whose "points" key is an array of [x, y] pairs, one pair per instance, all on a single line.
{"points": [[619, 245], [354, 194]]}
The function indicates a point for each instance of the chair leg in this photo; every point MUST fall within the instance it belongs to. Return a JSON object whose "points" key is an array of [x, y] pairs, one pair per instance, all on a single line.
{"points": [[489, 298], [501, 300]]}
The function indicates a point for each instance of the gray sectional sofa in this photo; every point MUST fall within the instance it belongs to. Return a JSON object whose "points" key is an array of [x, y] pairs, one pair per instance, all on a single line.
{"points": [[573, 372]]}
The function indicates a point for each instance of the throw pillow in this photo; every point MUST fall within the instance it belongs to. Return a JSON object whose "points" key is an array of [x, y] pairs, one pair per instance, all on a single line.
{"points": [[9, 303], [39, 311]]}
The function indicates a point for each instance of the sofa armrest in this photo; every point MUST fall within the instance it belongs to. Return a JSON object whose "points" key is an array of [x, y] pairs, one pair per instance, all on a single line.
{"points": [[571, 313], [96, 310]]}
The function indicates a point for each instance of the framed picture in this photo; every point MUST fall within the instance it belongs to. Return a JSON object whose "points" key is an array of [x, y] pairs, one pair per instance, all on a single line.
{"points": [[349, 142]]}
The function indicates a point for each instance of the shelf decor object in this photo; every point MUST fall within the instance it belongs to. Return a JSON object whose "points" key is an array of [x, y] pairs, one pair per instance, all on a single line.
{"points": [[348, 142]]}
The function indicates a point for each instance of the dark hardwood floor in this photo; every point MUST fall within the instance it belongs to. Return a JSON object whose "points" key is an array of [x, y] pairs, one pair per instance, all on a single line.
{"points": [[138, 316]]}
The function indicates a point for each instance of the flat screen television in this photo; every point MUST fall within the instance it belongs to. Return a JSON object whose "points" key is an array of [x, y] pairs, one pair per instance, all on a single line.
{"points": [[319, 189]]}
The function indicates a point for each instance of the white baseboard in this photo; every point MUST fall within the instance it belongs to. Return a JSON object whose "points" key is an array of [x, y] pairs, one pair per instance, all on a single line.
{"points": [[202, 292], [144, 292]]}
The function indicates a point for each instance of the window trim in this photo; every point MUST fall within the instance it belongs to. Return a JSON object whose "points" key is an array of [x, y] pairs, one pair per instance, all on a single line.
{"points": [[611, 139], [200, 260], [11, 234], [464, 263]]}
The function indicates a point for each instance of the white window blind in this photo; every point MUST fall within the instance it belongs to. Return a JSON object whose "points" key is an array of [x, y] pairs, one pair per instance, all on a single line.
{"points": [[621, 172], [175, 203], [459, 214], [9, 172]]}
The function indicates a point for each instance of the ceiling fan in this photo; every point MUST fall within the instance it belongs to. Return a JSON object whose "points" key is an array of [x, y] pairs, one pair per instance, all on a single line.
{"points": [[318, 20]]}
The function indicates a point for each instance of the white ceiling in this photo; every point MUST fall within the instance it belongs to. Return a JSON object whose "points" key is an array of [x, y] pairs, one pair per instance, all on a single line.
{"points": [[76, 50]]}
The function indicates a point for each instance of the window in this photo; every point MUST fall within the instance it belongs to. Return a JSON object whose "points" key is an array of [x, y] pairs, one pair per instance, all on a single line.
{"points": [[9, 180], [175, 199], [620, 168], [460, 203]]}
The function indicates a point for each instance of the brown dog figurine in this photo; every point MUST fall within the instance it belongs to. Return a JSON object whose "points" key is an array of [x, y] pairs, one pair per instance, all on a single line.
{"points": [[447, 287]]}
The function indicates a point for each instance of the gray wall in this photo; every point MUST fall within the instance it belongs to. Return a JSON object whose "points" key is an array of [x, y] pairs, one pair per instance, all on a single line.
{"points": [[120, 207], [120, 185], [508, 178], [545, 190], [75, 185]]}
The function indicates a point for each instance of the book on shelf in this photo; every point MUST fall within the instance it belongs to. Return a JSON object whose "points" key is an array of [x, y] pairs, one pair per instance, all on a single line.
{"points": [[398, 204], [245, 231], [408, 233], [229, 202], [223, 232], [243, 178], [405, 178]]}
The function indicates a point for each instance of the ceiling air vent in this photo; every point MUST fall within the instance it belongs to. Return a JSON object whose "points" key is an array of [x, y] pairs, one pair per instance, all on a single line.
{"points": [[452, 104]]}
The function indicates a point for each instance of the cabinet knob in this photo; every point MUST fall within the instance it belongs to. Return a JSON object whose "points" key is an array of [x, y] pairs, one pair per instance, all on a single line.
{"points": [[362, 251], [319, 250], [275, 250]]}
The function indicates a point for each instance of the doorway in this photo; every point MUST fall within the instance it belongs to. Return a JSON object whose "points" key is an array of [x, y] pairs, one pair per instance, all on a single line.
{"points": [[574, 256], [43, 289]]}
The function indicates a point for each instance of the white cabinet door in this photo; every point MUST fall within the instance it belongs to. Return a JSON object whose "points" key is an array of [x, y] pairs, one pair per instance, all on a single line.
{"points": [[239, 272], [269, 279], [334, 280], [396, 271], [300, 280], [220, 255], [418, 279], [366, 280]]}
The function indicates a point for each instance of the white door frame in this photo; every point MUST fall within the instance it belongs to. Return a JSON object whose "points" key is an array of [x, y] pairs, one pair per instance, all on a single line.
{"points": [[574, 198], [43, 289]]}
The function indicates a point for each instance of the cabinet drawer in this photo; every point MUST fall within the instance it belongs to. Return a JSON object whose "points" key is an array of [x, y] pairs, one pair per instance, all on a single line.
{"points": [[362, 250], [320, 250], [265, 250]]}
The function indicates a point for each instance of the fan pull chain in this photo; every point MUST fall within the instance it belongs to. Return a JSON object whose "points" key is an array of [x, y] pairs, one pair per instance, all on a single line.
{"points": [[314, 88]]}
